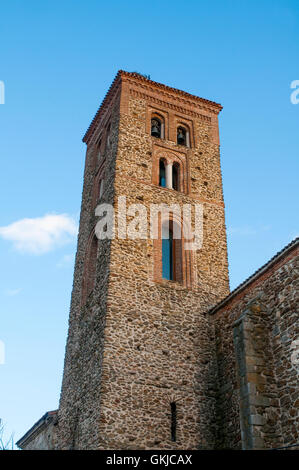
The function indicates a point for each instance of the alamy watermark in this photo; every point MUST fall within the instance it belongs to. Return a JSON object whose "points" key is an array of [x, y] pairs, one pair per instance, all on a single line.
{"points": [[2, 92], [295, 94], [137, 221]]}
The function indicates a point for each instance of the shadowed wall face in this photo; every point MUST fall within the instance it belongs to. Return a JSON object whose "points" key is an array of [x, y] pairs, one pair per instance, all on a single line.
{"points": [[256, 338]]}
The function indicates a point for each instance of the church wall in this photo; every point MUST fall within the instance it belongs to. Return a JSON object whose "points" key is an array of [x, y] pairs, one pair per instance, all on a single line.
{"points": [[138, 344], [43, 435], [256, 335]]}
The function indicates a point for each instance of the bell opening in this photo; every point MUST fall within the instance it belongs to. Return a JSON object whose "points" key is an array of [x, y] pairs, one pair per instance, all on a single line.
{"points": [[156, 128], [181, 136]]}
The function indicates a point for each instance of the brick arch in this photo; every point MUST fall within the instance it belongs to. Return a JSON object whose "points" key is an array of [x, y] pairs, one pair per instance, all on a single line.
{"points": [[151, 113], [181, 162], [159, 117], [171, 157], [184, 268], [100, 175], [98, 149], [164, 161]]}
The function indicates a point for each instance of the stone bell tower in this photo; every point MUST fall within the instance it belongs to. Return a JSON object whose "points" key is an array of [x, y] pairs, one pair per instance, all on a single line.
{"points": [[140, 366]]}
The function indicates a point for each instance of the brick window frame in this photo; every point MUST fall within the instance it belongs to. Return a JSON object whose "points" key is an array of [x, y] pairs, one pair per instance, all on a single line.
{"points": [[99, 148], [103, 133], [184, 275], [174, 158], [163, 116], [100, 176], [159, 170], [188, 125]]}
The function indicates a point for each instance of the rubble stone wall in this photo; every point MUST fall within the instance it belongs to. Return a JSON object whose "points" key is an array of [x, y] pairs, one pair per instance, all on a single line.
{"points": [[256, 341]]}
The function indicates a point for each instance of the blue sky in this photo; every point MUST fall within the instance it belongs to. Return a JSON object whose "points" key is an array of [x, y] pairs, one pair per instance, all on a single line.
{"points": [[57, 62]]}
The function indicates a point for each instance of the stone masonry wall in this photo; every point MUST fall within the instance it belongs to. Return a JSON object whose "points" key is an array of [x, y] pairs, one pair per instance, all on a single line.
{"points": [[158, 344], [256, 333]]}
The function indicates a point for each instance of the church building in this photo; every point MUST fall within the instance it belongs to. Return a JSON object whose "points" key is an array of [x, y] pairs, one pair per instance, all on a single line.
{"points": [[160, 354]]}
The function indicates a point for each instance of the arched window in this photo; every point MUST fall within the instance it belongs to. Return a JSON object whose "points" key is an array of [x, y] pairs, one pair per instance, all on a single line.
{"points": [[156, 128], [181, 136], [176, 176], [171, 254], [167, 253], [162, 174]]}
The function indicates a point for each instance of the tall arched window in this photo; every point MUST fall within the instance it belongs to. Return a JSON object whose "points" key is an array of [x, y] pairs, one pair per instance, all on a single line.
{"points": [[167, 253], [156, 128], [176, 176], [171, 254], [162, 174]]}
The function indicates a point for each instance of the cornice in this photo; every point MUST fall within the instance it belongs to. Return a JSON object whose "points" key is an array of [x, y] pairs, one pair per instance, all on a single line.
{"points": [[144, 88], [192, 99], [110, 95], [167, 104]]}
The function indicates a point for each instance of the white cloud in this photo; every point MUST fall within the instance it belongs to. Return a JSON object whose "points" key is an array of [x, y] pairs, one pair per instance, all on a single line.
{"points": [[13, 292], [42, 234]]}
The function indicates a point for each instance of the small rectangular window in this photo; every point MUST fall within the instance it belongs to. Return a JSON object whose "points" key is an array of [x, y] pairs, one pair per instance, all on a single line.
{"points": [[173, 421]]}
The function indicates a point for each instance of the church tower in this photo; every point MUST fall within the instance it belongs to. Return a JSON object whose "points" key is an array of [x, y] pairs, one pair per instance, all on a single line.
{"points": [[139, 367]]}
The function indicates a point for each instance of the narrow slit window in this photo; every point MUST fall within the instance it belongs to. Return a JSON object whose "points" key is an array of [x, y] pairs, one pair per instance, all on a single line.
{"points": [[173, 421]]}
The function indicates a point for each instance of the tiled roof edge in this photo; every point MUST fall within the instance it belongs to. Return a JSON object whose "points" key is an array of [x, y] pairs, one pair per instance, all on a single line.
{"points": [[103, 105], [255, 275], [35, 427]]}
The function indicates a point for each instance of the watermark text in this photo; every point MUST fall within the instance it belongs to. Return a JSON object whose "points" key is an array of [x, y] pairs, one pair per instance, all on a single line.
{"points": [[295, 94]]}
